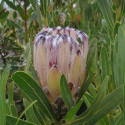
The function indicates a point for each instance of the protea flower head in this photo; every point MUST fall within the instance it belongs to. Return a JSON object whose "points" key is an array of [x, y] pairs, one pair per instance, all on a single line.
{"points": [[57, 51]]}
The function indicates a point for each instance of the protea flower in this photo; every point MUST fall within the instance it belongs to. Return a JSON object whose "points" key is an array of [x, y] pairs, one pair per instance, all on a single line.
{"points": [[57, 51]]}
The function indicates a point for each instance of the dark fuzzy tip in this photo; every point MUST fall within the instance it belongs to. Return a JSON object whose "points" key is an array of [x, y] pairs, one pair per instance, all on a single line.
{"points": [[70, 84], [44, 32], [85, 38], [55, 66], [64, 109], [64, 37], [81, 32], [46, 26], [59, 34], [78, 52], [43, 39], [46, 91], [77, 92], [54, 107], [54, 29], [59, 99], [69, 26]]}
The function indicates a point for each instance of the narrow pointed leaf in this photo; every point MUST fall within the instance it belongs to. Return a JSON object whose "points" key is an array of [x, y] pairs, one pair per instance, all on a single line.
{"points": [[10, 4], [65, 92], [90, 58], [34, 92], [12, 121], [30, 115], [29, 106], [108, 104], [21, 11], [71, 114], [10, 93], [38, 13], [104, 63], [4, 15], [34, 73], [107, 13], [5, 75], [85, 116], [2, 104], [13, 111]]}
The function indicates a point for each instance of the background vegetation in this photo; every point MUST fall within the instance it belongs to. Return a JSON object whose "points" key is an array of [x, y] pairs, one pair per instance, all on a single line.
{"points": [[102, 20]]}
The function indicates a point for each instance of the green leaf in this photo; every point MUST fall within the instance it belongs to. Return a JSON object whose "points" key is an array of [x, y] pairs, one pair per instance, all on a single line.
{"points": [[121, 55], [34, 92], [119, 69], [4, 15], [118, 119], [10, 93], [107, 13], [116, 28], [28, 57], [90, 58], [13, 111], [2, 104], [86, 84], [21, 11], [104, 63], [33, 4], [58, 110], [108, 104], [33, 17], [30, 116], [5, 75], [8, 109], [12, 121], [34, 73], [88, 99], [43, 6], [105, 121], [14, 15], [38, 13], [12, 23], [104, 24], [65, 92], [92, 88], [10, 4], [49, 18], [41, 116], [71, 114], [26, 110], [81, 4], [124, 104], [85, 116], [122, 7]]}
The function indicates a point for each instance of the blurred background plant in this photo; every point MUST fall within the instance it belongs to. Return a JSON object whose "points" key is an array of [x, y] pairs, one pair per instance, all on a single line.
{"points": [[102, 20]]}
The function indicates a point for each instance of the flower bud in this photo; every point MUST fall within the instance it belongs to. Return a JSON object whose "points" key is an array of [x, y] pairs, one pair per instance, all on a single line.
{"points": [[57, 51]]}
